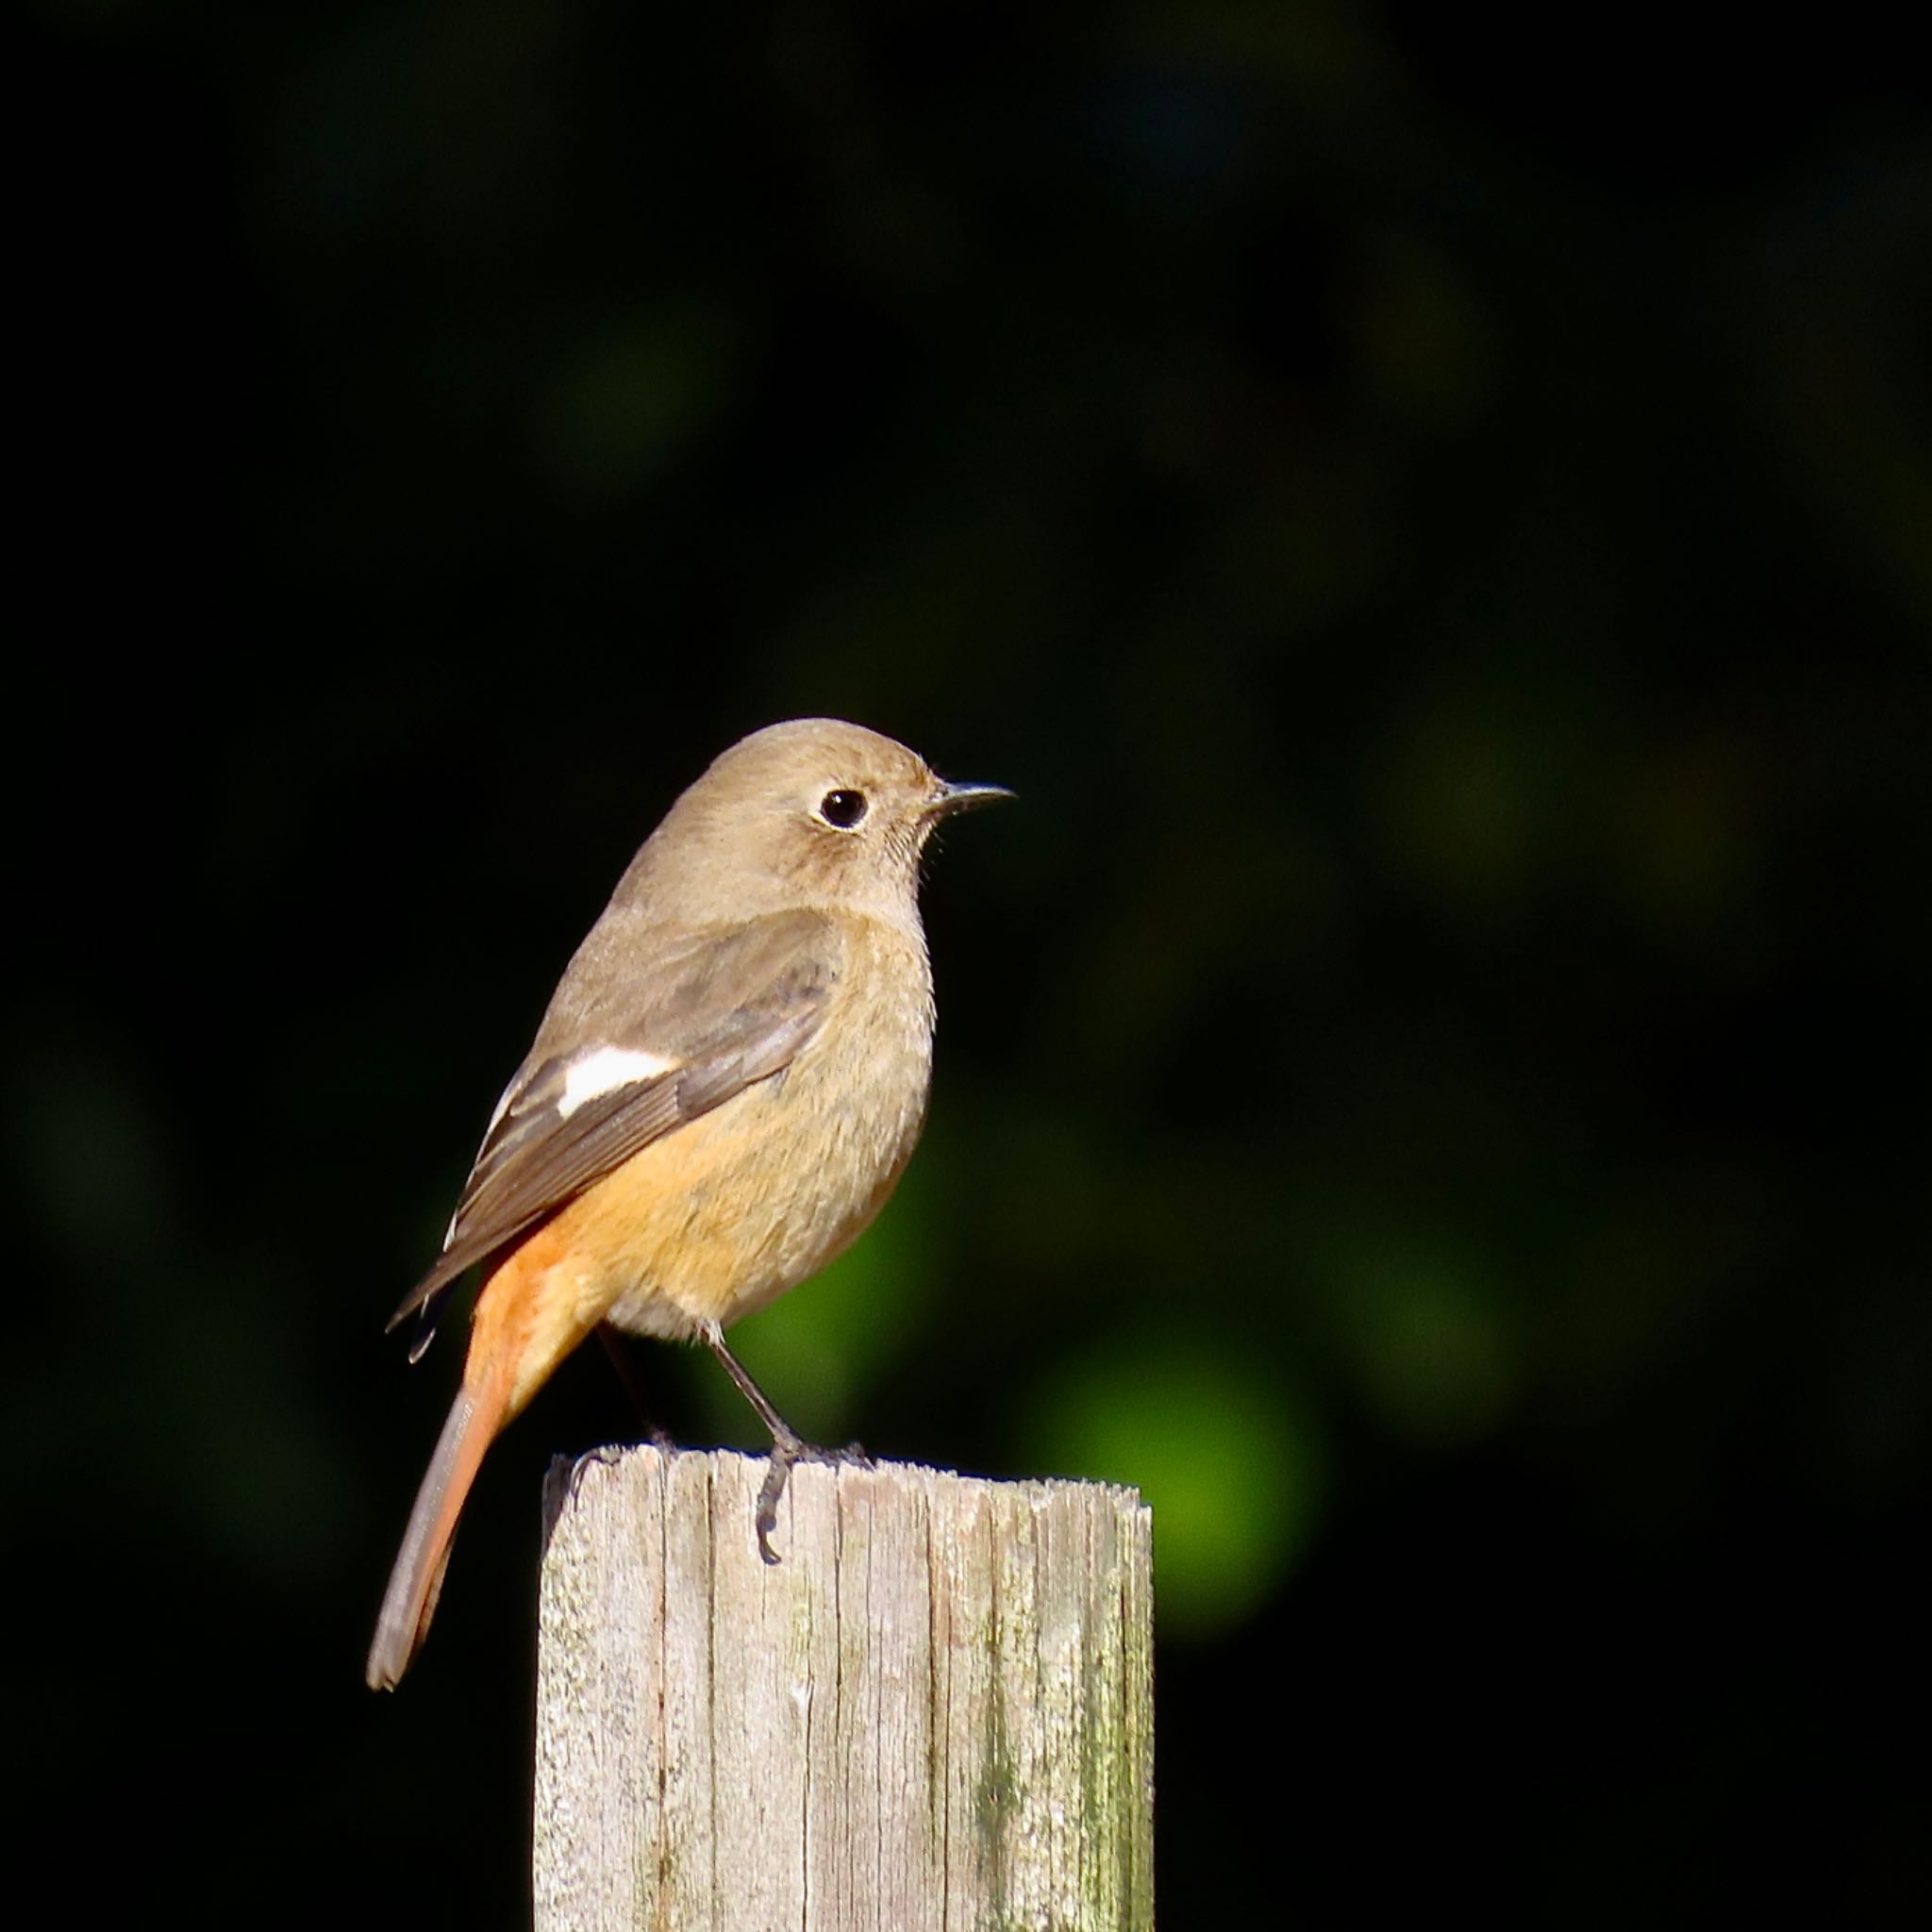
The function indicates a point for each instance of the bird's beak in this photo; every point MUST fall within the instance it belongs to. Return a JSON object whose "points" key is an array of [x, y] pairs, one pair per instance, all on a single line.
{"points": [[951, 798]]}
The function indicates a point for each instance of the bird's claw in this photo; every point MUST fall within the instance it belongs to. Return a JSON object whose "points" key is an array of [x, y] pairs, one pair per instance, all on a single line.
{"points": [[787, 1451]]}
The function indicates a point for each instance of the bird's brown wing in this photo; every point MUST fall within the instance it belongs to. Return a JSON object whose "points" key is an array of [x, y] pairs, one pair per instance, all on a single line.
{"points": [[707, 1015]]}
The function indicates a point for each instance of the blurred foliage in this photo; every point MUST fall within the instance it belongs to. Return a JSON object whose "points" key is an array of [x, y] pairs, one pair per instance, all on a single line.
{"points": [[1225, 1454], [1432, 513]]}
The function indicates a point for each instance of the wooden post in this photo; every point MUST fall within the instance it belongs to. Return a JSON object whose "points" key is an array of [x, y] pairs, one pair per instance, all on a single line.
{"points": [[935, 1714]]}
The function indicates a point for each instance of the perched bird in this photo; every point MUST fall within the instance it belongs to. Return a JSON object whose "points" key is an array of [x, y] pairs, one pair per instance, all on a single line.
{"points": [[727, 1083]]}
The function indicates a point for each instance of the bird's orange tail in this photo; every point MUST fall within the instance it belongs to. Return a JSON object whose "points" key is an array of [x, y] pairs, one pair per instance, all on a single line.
{"points": [[475, 1418]]}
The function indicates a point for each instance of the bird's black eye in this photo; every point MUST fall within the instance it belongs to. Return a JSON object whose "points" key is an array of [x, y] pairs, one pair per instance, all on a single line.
{"points": [[842, 808]]}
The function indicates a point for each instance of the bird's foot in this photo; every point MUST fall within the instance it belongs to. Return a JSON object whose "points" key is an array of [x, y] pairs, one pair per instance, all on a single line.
{"points": [[785, 1450]]}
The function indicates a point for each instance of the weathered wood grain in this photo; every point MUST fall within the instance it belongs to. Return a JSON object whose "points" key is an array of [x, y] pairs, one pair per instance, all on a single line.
{"points": [[934, 1715]]}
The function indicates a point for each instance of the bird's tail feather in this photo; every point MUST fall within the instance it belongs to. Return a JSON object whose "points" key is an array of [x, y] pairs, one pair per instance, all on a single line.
{"points": [[410, 1601]]}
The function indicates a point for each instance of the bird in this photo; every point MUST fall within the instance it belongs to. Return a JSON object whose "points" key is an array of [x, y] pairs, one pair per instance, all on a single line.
{"points": [[722, 1093]]}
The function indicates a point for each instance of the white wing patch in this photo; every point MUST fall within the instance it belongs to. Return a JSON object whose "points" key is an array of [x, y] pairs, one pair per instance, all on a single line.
{"points": [[605, 1068]]}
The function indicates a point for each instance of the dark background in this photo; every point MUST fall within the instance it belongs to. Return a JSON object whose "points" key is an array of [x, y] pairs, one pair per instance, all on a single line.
{"points": [[1431, 509]]}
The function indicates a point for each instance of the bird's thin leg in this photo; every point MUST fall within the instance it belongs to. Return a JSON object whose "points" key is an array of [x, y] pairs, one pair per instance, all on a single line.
{"points": [[787, 1446], [781, 1430], [625, 1364]]}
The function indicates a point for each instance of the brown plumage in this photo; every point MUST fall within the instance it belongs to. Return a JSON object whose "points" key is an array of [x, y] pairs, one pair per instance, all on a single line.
{"points": [[728, 1081]]}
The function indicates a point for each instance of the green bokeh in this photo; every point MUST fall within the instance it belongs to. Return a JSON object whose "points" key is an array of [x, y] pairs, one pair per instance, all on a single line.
{"points": [[1231, 1461]]}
